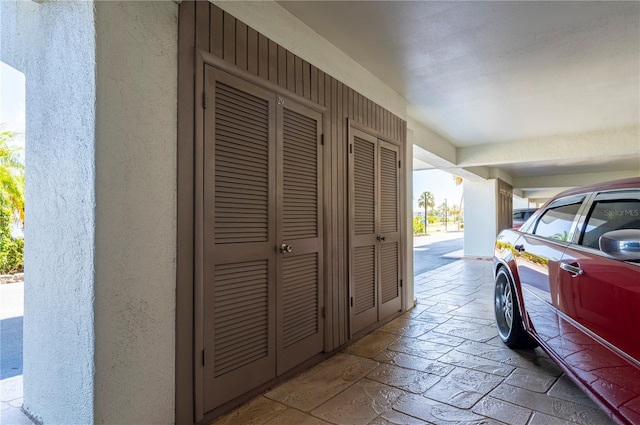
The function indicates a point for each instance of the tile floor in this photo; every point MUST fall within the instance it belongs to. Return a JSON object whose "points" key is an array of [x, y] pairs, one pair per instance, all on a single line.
{"points": [[440, 363]]}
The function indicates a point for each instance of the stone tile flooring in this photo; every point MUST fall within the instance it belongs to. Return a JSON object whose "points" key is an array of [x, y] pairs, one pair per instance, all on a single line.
{"points": [[440, 363]]}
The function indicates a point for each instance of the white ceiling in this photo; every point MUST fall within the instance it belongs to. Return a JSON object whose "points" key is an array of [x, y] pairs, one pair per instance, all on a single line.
{"points": [[479, 73]]}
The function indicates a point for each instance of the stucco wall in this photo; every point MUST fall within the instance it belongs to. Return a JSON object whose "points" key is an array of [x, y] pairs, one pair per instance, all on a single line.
{"points": [[53, 43], [480, 217], [135, 211]]}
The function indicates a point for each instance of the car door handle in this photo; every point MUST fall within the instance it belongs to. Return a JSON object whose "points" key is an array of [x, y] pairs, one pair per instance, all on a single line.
{"points": [[574, 270], [519, 248]]}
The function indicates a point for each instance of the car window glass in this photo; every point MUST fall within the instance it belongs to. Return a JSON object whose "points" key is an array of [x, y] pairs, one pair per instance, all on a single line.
{"points": [[555, 222], [610, 214]]}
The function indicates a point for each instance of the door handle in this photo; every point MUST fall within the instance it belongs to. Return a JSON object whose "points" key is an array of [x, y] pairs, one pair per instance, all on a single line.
{"points": [[519, 248], [574, 270], [381, 238], [284, 248]]}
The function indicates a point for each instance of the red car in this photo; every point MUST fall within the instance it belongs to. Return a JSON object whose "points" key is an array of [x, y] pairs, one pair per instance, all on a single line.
{"points": [[569, 281]]}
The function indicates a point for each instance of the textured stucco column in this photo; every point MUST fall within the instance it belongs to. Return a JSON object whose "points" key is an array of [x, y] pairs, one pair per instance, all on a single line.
{"points": [[136, 116], [480, 217], [53, 43], [99, 326]]}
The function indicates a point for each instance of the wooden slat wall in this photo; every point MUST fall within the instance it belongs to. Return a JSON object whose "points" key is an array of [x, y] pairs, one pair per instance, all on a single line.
{"points": [[206, 27], [228, 38]]}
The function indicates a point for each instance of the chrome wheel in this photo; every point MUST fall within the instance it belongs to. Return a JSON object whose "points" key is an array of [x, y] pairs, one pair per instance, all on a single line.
{"points": [[508, 317], [503, 306]]}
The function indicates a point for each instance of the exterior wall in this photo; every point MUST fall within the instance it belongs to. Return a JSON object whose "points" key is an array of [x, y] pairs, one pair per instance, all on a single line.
{"points": [[208, 28], [60, 205], [480, 217], [272, 20], [136, 86]]}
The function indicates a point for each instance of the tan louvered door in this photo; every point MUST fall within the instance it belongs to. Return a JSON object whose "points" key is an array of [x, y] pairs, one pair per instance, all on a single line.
{"points": [[375, 237], [239, 237], [362, 220], [299, 276], [389, 228]]}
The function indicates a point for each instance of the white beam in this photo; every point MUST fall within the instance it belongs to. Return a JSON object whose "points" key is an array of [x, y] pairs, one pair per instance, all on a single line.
{"points": [[570, 180], [614, 142]]}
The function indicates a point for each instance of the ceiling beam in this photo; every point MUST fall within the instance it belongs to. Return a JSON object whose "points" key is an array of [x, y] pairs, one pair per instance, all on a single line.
{"points": [[619, 142]]}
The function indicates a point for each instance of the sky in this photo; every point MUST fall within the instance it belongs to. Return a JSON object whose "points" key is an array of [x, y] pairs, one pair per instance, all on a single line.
{"points": [[439, 183], [12, 99]]}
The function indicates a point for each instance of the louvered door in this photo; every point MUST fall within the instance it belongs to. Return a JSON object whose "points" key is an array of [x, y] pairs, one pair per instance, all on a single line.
{"points": [[374, 240], [389, 228], [300, 327], [261, 239], [364, 244], [239, 236]]}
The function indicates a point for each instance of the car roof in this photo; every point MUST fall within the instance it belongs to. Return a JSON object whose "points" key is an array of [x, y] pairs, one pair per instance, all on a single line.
{"points": [[633, 182]]}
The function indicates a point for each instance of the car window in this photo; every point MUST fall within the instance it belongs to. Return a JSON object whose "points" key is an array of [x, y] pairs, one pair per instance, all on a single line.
{"points": [[611, 211], [556, 221]]}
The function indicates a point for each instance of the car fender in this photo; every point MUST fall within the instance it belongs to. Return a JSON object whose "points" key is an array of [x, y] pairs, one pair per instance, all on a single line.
{"points": [[507, 260]]}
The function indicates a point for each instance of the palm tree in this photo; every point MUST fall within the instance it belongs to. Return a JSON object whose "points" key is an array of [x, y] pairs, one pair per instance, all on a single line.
{"points": [[11, 176], [426, 200]]}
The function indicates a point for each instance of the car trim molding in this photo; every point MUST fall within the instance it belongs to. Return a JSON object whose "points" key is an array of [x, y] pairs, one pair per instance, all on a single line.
{"points": [[598, 338]]}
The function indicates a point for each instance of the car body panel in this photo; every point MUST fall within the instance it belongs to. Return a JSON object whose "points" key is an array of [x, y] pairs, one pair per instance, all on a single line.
{"points": [[581, 305]]}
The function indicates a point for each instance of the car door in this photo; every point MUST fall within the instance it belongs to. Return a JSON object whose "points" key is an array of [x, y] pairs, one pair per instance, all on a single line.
{"points": [[599, 304], [538, 255]]}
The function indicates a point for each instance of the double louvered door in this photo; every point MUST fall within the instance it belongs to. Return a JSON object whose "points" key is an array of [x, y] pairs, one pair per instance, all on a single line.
{"points": [[374, 222], [261, 236]]}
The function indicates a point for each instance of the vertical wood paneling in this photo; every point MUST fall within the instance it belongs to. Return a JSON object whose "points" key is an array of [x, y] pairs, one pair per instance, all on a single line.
{"points": [[299, 88], [313, 94], [184, 378], [252, 51], [341, 210], [202, 25], [332, 103], [273, 62], [263, 57], [306, 79], [321, 93], [241, 45], [216, 35], [282, 67], [291, 72], [229, 41]]}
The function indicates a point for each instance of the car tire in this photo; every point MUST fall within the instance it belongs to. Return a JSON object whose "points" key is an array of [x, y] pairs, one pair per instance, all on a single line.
{"points": [[508, 318]]}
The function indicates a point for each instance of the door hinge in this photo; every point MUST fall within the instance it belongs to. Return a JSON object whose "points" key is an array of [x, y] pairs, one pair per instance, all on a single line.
{"points": [[204, 100], [322, 312], [322, 139], [351, 301], [203, 358], [399, 164], [401, 283], [351, 148]]}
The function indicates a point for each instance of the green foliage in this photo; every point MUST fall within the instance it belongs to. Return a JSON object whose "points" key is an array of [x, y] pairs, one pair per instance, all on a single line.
{"points": [[11, 176], [418, 225], [11, 249], [11, 204]]}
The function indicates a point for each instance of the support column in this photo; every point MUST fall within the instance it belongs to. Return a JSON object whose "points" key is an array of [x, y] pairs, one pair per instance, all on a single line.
{"points": [[480, 217], [53, 43]]}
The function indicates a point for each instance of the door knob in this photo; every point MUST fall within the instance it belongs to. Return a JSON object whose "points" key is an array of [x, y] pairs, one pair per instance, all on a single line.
{"points": [[381, 238], [284, 248]]}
